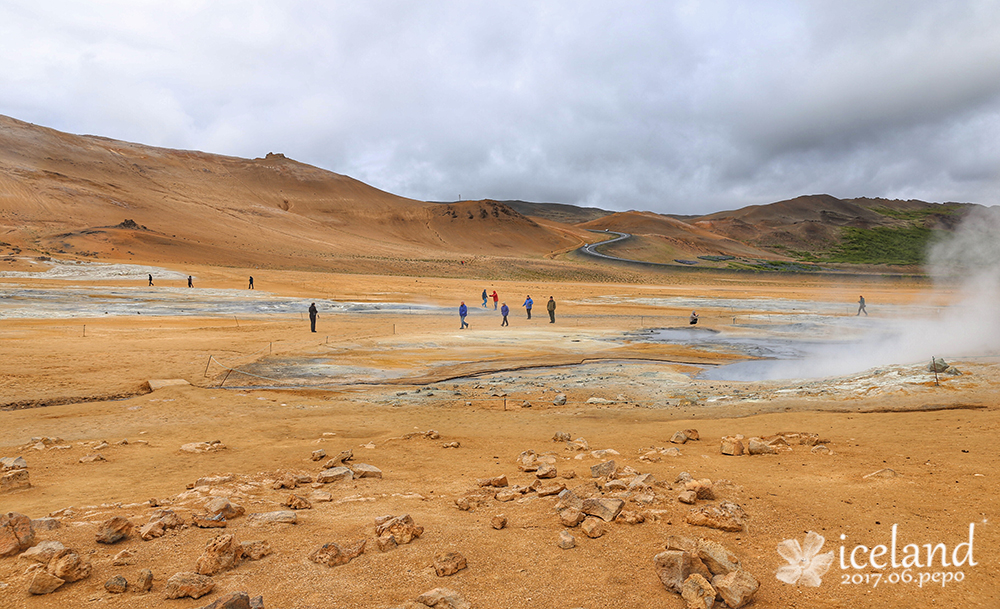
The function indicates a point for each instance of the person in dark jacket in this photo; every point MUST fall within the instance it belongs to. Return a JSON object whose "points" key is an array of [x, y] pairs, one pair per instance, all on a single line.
{"points": [[484, 298], [551, 307], [190, 281], [861, 306], [250, 287], [150, 280], [527, 305], [504, 310], [313, 314], [462, 312]]}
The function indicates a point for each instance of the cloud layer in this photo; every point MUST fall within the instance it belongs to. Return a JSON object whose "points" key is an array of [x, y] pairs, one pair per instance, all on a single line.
{"points": [[679, 107]]}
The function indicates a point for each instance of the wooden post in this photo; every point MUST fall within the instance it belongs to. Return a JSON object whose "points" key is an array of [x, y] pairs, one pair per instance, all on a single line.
{"points": [[208, 364], [237, 321]]}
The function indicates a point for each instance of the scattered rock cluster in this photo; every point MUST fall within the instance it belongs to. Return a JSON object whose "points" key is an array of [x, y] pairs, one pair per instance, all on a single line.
{"points": [[738, 445], [703, 572], [390, 531]]}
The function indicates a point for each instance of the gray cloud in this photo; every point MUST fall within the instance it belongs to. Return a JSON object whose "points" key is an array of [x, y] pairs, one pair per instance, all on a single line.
{"points": [[675, 107]]}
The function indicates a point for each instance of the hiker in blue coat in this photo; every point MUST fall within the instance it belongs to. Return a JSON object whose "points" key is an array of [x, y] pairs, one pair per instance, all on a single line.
{"points": [[527, 305], [504, 310], [462, 312], [484, 298]]}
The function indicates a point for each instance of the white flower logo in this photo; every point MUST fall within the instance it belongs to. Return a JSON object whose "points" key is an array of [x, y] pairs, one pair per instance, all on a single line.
{"points": [[805, 565]]}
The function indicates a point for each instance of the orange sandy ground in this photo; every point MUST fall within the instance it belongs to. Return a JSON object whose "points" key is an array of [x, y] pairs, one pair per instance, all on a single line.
{"points": [[946, 459]]}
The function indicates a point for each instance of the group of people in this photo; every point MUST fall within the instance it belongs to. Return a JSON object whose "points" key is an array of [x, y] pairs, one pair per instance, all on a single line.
{"points": [[463, 309]]}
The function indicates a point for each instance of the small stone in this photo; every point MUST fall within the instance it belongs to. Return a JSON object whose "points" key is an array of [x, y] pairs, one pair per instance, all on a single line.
{"points": [[737, 588], [321, 496], [496, 481], [332, 555], [551, 489], [363, 470], [188, 584], [116, 585], [561, 436], [683, 478], [605, 508], [69, 566], [448, 563], [296, 502], [279, 516], [10, 463], [568, 498], [692, 434], [44, 582], [679, 437], [451, 445], [566, 541], [698, 593], [385, 542], [335, 474], [560, 399], [14, 480], [688, 497], [717, 558], [114, 530], [614, 486], [220, 506], [630, 517], [568, 474], [703, 489], [287, 481], [673, 567], [123, 558], [443, 598], [499, 522], [43, 552], [255, 550], [144, 582], [318, 454], [221, 552], [571, 517], [233, 600], [731, 446], [603, 470], [546, 471], [45, 524], [401, 527], [757, 446], [203, 447], [882, 473], [202, 521], [820, 449], [592, 528], [725, 516]]}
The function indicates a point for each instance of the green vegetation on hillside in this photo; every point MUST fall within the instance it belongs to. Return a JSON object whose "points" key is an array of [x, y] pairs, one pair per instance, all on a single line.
{"points": [[883, 245], [916, 215]]}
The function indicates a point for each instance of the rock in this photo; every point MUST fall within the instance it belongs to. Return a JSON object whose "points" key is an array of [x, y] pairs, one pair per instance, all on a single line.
{"points": [[116, 585], [885, 472], [546, 471], [255, 550], [335, 474], [321, 496], [213, 480], [683, 478], [697, 592], [673, 567], [220, 506], [44, 582], [400, 527], [688, 497], [496, 481], [736, 588], [188, 584], [642, 481], [605, 508], [820, 449], [603, 453], [592, 528], [203, 447], [318, 455], [287, 481], [717, 558], [43, 552], [114, 530], [45, 524], [559, 400], [725, 516], [600, 401], [204, 521], [561, 436], [703, 489], [732, 445], [340, 459], [757, 446], [363, 470], [448, 563], [332, 555], [280, 516], [221, 552], [679, 437], [499, 522], [233, 600], [451, 445], [578, 444], [692, 434], [125, 557], [571, 517], [385, 542], [937, 365], [14, 479], [69, 566], [630, 517], [443, 598], [568, 498], [613, 486], [603, 470], [92, 458], [550, 489], [470, 502], [566, 541], [152, 530], [296, 502], [568, 474], [9, 463], [144, 582]]}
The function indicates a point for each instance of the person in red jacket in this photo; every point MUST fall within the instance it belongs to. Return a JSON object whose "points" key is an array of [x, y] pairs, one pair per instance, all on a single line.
{"points": [[495, 299]]}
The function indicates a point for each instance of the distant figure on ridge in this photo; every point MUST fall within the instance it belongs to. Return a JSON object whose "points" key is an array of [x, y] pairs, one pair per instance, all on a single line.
{"points": [[250, 287], [861, 306], [462, 312], [484, 298], [504, 310], [150, 279], [551, 306], [313, 314], [527, 305], [190, 282], [694, 317], [495, 299]]}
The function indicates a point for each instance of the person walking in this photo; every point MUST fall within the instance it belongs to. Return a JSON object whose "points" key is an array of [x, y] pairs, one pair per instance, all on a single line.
{"points": [[250, 287], [527, 305], [495, 299], [190, 282], [504, 310], [484, 298], [551, 306], [313, 314], [462, 312], [151, 279], [861, 306]]}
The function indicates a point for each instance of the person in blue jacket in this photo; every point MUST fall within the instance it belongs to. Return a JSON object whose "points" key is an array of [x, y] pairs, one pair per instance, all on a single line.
{"points": [[484, 298], [504, 310], [527, 305], [462, 312]]}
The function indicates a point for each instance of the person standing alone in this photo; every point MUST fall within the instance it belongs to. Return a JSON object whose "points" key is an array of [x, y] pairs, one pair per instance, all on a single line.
{"points": [[462, 312], [190, 282], [527, 305], [150, 279], [504, 310], [313, 314], [861, 306], [250, 287], [551, 306]]}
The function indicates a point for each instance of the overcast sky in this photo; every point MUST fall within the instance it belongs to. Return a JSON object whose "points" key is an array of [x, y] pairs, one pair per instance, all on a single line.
{"points": [[675, 107]]}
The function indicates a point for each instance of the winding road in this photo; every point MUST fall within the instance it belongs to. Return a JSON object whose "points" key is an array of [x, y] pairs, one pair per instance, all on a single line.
{"points": [[589, 247]]}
